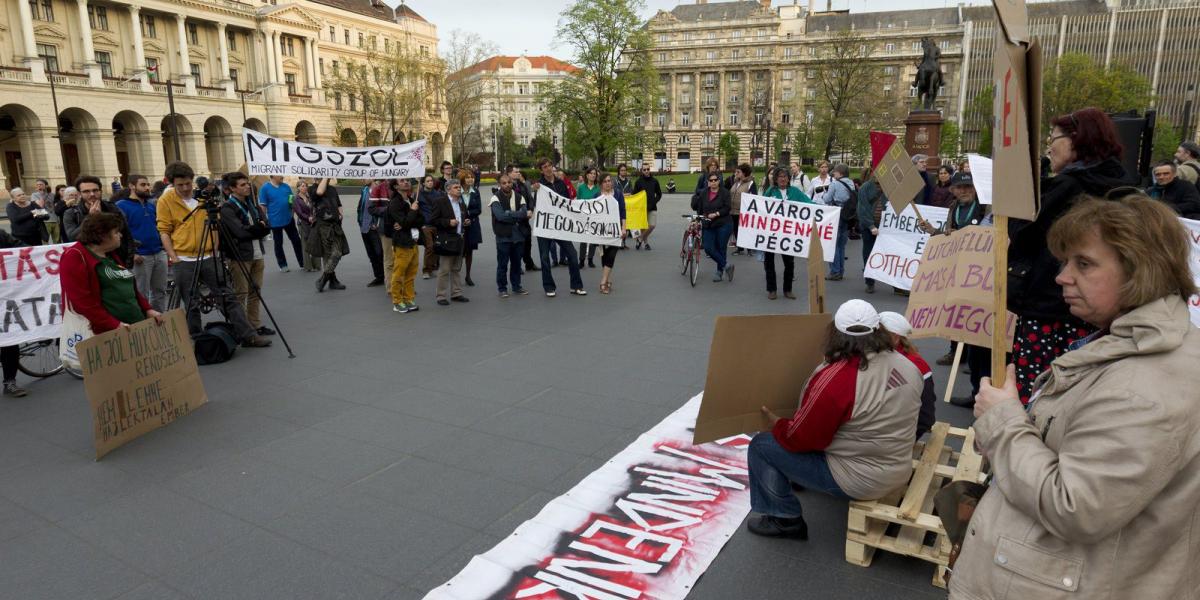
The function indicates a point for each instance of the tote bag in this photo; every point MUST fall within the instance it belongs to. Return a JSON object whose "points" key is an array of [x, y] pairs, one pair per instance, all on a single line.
{"points": [[75, 329]]}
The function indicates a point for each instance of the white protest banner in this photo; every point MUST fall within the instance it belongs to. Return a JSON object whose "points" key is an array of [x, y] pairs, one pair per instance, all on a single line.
{"points": [[897, 253], [266, 155], [1193, 229], [646, 524], [30, 291], [981, 174], [595, 221], [785, 226]]}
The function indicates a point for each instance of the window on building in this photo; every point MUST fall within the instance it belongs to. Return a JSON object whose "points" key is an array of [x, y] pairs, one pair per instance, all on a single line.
{"points": [[49, 56], [193, 34], [98, 17], [523, 88], [387, 45], [662, 38], [736, 34], [734, 118], [812, 50], [889, 71], [685, 78], [736, 53], [346, 40], [233, 76], [333, 33], [760, 75], [662, 57], [337, 101], [523, 122], [334, 65], [104, 59], [945, 44], [811, 93], [708, 139], [708, 119], [149, 29], [916, 46], [43, 10], [637, 120], [194, 68], [788, 95], [685, 98], [424, 50], [889, 47], [687, 57], [710, 79], [683, 140], [321, 66], [231, 40], [762, 52], [353, 102], [735, 76], [687, 36], [361, 39], [712, 35], [786, 117], [662, 119], [152, 68], [787, 52], [711, 55], [289, 46], [810, 74], [787, 74], [734, 99], [912, 91], [685, 118]]}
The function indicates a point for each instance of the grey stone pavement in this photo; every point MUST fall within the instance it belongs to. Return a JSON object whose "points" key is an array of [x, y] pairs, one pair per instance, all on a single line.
{"points": [[394, 448]]}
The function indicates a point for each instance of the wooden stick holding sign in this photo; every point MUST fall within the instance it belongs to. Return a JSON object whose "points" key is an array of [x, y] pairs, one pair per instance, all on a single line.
{"points": [[816, 274], [958, 352], [1001, 345]]}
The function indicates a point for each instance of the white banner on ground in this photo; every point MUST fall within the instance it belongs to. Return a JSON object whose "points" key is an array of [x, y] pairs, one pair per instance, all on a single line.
{"points": [[645, 525], [785, 226], [897, 253], [595, 221], [981, 175], [31, 294], [1193, 229], [268, 155]]}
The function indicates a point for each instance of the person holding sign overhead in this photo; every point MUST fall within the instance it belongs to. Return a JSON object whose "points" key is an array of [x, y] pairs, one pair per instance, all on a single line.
{"points": [[713, 204], [1094, 491], [851, 436], [781, 189], [1084, 154], [558, 186]]}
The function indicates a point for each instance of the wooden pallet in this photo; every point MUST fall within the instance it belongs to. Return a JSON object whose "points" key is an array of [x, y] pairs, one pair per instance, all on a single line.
{"points": [[903, 522]]}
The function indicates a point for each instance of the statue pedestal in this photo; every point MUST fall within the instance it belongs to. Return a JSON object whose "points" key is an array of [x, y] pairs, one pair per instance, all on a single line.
{"points": [[923, 135]]}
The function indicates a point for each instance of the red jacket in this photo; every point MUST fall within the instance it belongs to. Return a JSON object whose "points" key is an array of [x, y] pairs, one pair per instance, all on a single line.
{"points": [[827, 403], [81, 287]]}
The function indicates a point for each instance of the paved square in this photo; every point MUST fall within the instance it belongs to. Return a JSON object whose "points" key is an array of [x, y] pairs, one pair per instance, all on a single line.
{"points": [[394, 448]]}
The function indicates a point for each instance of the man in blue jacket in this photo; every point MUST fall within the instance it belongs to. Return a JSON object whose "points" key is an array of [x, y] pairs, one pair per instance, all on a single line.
{"points": [[276, 197], [150, 260]]}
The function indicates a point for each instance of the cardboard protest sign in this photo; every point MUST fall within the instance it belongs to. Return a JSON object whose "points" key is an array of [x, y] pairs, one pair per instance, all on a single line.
{"points": [[140, 379], [899, 177], [785, 226], [1017, 71], [636, 212], [953, 291], [896, 255], [1193, 230], [595, 221], [754, 362], [816, 275], [268, 155], [29, 288]]}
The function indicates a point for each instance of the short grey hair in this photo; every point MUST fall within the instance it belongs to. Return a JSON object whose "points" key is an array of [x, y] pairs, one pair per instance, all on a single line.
{"points": [[16, 192], [842, 168], [451, 183], [919, 157]]}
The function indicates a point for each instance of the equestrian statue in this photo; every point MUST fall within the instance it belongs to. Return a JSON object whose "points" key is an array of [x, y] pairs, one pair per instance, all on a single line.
{"points": [[929, 74]]}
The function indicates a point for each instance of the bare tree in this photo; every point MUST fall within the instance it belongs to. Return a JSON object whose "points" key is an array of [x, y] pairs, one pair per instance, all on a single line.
{"points": [[466, 90], [389, 92], [848, 87]]}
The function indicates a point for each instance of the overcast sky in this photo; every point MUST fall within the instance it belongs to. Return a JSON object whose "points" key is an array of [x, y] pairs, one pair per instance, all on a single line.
{"points": [[527, 26]]}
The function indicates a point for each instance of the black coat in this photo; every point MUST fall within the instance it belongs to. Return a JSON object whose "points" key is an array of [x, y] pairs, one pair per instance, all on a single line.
{"points": [[653, 191], [720, 204], [1032, 291], [443, 213], [241, 230], [1183, 196], [399, 212]]}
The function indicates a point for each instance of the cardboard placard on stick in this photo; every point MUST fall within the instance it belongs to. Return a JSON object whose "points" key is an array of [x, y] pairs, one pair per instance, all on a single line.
{"points": [[140, 379], [757, 361], [952, 294], [1017, 71], [816, 275], [898, 177]]}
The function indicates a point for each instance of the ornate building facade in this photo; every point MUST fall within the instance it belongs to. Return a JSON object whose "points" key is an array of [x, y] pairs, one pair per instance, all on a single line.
{"points": [[746, 67], [107, 66]]}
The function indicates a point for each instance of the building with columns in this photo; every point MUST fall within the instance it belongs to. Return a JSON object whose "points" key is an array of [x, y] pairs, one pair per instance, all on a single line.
{"points": [[107, 65], [740, 65]]}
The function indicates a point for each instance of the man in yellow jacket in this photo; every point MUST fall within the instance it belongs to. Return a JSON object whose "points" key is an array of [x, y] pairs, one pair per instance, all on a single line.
{"points": [[182, 240]]}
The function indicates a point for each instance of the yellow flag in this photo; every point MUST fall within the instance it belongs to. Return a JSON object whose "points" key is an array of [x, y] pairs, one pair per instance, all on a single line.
{"points": [[635, 211]]}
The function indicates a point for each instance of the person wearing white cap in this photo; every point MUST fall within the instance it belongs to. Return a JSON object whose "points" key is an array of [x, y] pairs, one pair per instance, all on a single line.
{"points": [[897, 325], [851, 436]]}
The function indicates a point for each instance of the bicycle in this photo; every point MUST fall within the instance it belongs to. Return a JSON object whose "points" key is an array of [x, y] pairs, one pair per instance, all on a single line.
{"points": [[40, 358], [692, 249]]}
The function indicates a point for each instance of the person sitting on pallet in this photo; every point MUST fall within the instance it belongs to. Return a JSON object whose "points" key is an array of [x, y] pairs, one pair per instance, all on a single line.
{"points": [[899, 328], [851, 436]]}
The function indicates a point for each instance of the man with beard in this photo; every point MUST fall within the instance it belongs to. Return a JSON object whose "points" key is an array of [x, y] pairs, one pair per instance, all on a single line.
{"points": [[149, 260]]}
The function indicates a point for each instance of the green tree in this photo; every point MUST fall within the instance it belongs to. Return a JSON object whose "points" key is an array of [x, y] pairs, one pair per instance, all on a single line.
{"points": [[979, 114], [948, 147], [616, 79], [847, 83], [543, 146], [508, 149], [1075, 81], [729, 147], [804, 142], [1166, 140], [783, 134]]}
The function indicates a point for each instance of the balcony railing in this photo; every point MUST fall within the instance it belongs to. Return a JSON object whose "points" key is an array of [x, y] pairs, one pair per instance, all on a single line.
{"points": [[15, 74], [76, 79], [131, 85], [210, 92], [298, 99]]}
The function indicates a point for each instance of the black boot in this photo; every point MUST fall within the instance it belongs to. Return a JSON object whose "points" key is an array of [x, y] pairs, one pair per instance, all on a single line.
{"points": [[334, 284], [768, 526], [321, 281]]}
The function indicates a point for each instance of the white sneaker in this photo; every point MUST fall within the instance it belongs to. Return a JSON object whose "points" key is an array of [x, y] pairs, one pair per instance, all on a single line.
{"points": [[551, 294], [284, 269]]}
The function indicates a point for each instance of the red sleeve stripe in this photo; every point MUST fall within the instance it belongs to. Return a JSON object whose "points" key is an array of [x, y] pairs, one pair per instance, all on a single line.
{"points": [[816, 387]]}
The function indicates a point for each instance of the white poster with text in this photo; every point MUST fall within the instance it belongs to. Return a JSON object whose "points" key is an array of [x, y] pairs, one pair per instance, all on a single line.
{"points": [[29, 288], [266, 155], [595, 221], [897, 253], [785, 226]]}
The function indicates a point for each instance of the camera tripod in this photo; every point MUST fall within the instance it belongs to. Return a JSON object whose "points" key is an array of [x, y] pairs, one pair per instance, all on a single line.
{"points": [[208, 249]]}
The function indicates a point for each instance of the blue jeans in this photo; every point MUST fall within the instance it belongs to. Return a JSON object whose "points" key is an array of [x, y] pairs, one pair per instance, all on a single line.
{"points": [[839, 255], [508, 264], [868, 244], [566, 249], [293, 235], [772, 469], [716, 243]]}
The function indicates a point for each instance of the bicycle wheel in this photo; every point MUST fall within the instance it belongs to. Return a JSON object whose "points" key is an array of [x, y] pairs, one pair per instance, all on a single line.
{"points": [[77, 374], [685, 252], [694, 266], [40, 358]]}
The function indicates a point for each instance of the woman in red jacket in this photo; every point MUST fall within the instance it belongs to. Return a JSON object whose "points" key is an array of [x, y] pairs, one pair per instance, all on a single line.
{"points": [[95, 284]]}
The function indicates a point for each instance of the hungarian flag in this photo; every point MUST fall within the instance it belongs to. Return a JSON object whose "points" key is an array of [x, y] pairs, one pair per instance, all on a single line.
{"points": [[880, 142]]}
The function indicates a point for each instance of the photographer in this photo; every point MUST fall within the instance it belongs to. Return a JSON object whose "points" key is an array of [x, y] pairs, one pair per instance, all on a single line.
{"points": [[246, 223], [181, 227]]}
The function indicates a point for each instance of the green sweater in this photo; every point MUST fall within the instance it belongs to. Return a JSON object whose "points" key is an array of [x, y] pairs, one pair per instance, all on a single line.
{"points": [[793, 194]]}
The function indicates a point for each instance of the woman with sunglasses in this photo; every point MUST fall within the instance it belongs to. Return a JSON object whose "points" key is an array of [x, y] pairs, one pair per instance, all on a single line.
{"points": [[714, 205]]}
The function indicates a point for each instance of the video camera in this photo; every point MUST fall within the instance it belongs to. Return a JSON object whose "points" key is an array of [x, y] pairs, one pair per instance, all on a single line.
{"points": [[207, 194]]}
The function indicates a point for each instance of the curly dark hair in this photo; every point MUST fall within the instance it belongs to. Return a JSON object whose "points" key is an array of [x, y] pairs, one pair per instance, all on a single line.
{"points": [[97, 226], [839, 346]]}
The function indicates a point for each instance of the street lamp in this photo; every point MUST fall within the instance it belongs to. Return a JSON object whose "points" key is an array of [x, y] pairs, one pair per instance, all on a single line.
{"points": [[254, 93]]}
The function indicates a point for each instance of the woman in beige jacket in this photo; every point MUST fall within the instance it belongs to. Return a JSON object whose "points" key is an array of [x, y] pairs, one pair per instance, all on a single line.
{"points": [[1096, 490]]}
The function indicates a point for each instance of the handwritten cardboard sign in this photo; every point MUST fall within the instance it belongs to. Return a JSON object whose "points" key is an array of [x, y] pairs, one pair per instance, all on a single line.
{"points": [[757, 361], [896, 256], [140, 379], [1017, 72], [899, 177], [953, 292]]}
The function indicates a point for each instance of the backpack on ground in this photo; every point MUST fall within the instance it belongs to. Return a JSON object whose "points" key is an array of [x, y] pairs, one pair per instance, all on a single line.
{"points": [[216, 344]]}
